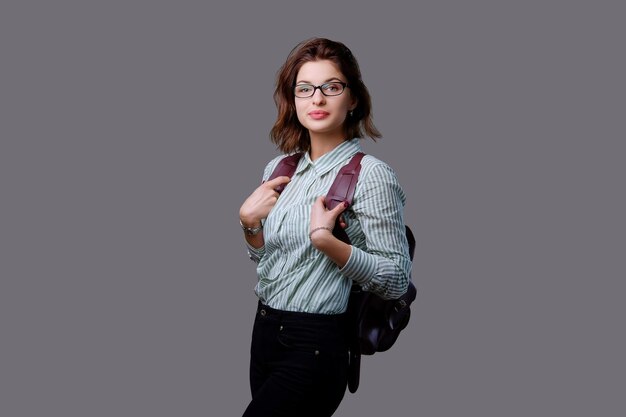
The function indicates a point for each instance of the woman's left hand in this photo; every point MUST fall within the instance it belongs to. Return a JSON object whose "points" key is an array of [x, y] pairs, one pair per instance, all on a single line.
{"points": [[321, 217]]}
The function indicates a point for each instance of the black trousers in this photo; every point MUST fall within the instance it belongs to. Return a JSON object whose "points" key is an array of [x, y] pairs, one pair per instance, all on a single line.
{"points": [[298, 364]]}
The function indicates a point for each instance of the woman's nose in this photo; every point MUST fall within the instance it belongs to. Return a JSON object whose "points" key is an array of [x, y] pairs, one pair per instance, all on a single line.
{"points": [[318, 97]]}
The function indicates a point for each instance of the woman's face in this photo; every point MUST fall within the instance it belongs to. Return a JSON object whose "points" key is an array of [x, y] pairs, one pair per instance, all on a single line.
{"points": [[323, 115]]}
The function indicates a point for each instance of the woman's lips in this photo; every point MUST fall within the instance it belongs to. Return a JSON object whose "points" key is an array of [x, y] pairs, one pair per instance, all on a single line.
{"points": [[318, 114]]}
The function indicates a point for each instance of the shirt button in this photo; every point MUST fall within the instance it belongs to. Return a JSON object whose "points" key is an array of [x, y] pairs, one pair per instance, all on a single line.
{"points": [[263, 312], [317, 352], [280, 328]]}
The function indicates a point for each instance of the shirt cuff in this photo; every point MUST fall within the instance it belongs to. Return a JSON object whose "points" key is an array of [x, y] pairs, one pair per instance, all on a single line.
{"points": [[361, 266], [255, 254]]}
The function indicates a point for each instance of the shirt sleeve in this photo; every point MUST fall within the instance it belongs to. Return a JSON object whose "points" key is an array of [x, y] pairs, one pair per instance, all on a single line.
{"points": [[255, 254], [383, 265]]}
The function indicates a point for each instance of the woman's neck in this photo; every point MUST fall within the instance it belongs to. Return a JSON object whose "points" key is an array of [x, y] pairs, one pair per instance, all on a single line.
{"points": [[322, 145]]}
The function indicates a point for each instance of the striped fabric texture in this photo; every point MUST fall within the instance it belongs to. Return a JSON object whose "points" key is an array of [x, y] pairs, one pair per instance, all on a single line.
{"points": [[294, 276]]}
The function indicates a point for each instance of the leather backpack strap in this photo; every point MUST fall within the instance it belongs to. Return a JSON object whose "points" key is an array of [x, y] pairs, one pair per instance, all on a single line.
{"points": [[342, 190], [286, 167]]}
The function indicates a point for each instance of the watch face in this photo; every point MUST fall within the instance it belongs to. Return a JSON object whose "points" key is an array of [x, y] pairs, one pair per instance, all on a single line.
{"points": [[253, 230]]}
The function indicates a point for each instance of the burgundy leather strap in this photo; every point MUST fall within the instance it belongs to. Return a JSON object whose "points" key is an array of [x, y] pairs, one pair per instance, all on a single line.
{"points": [[286, 167], [345, 182], [343, 190]]}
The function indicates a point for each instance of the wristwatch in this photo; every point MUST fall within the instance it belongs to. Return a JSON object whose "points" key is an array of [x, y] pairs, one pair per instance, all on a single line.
{"points": [[251, 231]]}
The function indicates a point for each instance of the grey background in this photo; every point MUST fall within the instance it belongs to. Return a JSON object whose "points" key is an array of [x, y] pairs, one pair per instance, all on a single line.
{"points": [[131, 132]]}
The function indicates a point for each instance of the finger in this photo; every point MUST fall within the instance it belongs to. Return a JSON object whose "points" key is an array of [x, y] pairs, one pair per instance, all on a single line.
{"points": [[278, 184], [278, 181], [342, 221], [339, 208]]}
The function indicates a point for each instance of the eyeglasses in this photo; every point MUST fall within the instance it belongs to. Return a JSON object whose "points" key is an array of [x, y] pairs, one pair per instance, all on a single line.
{"points": [[328, 89]]}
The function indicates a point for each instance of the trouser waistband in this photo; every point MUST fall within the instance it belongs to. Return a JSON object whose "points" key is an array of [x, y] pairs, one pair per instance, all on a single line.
{"points": [[267, 311]]}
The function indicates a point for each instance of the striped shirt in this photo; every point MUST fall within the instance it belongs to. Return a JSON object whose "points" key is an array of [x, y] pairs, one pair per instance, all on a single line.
{"points": [[295, 276]]}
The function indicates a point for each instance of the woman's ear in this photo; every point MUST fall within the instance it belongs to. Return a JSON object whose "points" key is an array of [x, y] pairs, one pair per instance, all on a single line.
{"points": [[353, 104]]}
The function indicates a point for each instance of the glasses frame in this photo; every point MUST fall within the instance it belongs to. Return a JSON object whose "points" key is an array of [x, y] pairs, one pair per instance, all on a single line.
{"points": [[320, 87]]}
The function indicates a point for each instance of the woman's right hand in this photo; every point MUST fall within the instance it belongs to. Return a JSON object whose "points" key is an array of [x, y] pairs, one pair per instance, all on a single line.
{"points": [[258, 205]]}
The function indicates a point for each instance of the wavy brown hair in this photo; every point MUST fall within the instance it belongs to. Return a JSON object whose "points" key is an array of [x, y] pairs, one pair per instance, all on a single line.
{"points": [[288, 133]]}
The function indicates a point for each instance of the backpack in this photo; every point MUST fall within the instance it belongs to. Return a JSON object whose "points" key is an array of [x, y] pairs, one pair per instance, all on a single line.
{"points": [[375, 323]]}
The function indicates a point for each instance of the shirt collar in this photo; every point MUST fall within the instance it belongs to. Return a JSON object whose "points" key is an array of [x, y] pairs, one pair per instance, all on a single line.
{"points": [[329, 160]]}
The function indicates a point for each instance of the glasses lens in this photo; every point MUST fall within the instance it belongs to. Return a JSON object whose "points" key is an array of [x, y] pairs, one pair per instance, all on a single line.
{"points": [[304, 90], [332, 89]]}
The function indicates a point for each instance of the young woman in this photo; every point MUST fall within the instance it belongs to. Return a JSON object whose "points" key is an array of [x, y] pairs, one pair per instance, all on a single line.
{"points": [[299, 345]]}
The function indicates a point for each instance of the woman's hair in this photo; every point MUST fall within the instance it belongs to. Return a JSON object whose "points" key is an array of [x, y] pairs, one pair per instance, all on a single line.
{"points": [[288, 133]]}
